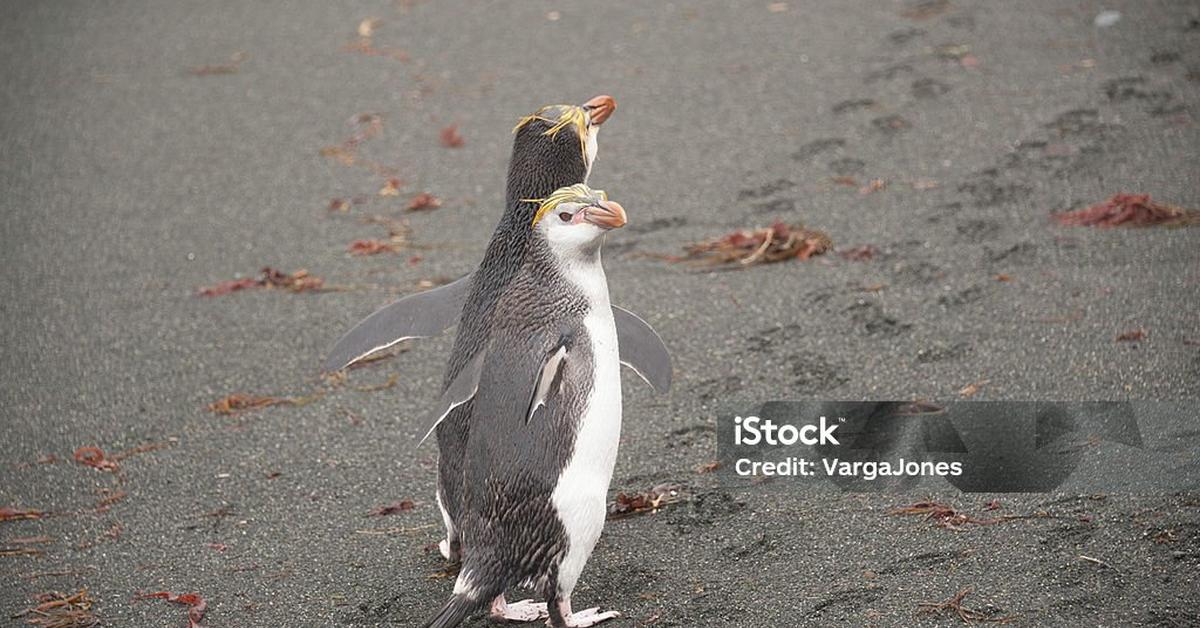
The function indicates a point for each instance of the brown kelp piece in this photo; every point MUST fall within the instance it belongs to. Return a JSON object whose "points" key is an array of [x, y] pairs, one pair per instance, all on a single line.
{"points": [[59, 610], [366, 126], [241, 402], [403, 505], [299, 281], [708, 467], [864, 253], [230, 67], [747, 247], [391, 187], [227, 287], [196, 604], [398, 237], [423, 201], [1133, 335], [947, 517], [451, 138], [372, 247], [627, 504], [1128, 210], [8, 513], [967, 615], [94, 457], [943, 516]]}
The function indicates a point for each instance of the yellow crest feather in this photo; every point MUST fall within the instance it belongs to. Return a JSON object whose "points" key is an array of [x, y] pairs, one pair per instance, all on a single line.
{"points": [[568, 115], [578, 192]]}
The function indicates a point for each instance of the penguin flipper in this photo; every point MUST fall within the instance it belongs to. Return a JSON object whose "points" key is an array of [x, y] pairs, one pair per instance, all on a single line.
{"points": [[460, 391], [548, 379], [417, 315], [642, 349]]}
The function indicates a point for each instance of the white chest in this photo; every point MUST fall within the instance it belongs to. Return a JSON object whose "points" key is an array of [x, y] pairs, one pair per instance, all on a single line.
{"points": [[580, 498], [600, 426]]}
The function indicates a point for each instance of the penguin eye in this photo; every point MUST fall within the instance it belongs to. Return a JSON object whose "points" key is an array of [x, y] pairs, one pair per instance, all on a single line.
{"points": [[564, 216]]}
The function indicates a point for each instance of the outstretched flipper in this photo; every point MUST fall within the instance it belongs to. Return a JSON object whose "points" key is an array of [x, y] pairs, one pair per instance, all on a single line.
{"points": [[642, 349], [434, 311], [460, 391], [418, 315]]}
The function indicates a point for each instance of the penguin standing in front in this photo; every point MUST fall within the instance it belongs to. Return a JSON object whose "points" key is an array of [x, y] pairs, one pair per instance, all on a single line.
{"points": [[544, 412], [552, 148]]}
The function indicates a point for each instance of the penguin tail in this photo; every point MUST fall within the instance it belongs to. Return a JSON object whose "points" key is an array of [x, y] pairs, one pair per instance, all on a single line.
{"points": [[453, 612]]}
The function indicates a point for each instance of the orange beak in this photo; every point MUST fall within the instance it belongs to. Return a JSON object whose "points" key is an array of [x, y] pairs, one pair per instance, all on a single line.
{"points": [[600, 108], [606, 215]]}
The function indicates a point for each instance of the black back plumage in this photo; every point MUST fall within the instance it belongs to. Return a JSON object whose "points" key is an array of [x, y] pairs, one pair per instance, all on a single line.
{"points": [[540, 164]]}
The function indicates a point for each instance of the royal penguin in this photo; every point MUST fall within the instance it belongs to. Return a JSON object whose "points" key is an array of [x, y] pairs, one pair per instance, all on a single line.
{"points": [[541, 396], [553, 147]]}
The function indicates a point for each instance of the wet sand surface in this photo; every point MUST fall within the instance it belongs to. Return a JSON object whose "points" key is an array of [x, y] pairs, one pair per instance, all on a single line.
{"points": [[151, 150]]}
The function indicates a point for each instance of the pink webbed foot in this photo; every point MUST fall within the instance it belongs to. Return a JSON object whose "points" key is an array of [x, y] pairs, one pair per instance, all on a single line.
{"points": [[583, 619], [517, 612]]}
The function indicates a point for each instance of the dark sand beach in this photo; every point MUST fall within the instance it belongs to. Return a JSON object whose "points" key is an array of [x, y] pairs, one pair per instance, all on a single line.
{"points": [[154, 149]]}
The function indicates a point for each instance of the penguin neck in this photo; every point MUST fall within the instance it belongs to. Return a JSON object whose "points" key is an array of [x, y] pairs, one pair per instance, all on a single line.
{"points": [[510, 241], [533, 183], [583, 270], [537, 168]]}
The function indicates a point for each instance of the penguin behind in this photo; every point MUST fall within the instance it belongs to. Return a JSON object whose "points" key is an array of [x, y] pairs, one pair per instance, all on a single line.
{"points": [[545, 418], [553, 148]]}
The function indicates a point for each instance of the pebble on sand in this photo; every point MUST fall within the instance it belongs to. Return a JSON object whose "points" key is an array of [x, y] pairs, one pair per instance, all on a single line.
{"points": [[1104, 19]]}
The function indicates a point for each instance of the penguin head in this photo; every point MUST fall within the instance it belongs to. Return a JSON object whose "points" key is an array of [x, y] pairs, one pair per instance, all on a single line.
{"points": [[555, 147], [574, 218]]}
